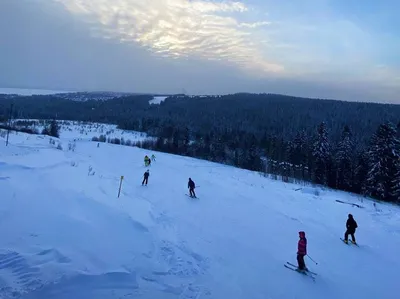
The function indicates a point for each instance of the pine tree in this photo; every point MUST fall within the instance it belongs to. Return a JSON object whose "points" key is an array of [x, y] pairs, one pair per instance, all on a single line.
{"points": [[321, 154], [54, 129], [395, 186], [383, 176], [344, 161], [298, 152], [361, 173]]}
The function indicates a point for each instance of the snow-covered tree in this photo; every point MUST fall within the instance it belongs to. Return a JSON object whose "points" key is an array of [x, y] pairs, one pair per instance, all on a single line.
{"points": [[298, 153], [344, 161], [384, 164], [361, 173], [395, 186], [321, 154]]}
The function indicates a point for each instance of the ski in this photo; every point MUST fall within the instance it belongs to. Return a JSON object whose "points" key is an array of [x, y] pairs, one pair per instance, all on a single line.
{"points": [[349, 243], [301, 272], [293, 265], [191, 196]]}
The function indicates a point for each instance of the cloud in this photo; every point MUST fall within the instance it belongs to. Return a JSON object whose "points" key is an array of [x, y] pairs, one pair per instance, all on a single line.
{"points": [[254, 25], [179, 28], [300, 39], [291, 47]]}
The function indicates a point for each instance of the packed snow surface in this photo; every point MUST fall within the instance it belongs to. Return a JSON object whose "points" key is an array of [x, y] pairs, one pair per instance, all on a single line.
{"points": [[65, 234]]}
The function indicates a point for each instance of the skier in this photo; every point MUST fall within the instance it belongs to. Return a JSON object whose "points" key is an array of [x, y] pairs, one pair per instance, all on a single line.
{"points": [[153, 157], [146, 160], [191, 186], [351, 226], [146, 177], [302, 251]]}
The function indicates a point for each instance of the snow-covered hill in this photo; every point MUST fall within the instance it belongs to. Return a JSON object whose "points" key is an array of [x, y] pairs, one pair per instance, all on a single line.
{"points": [[81, 96], [78, 130], [65, 234], [29, 92]]}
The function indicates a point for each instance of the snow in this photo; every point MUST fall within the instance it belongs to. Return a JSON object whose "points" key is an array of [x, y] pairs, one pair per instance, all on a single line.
{"points": [[78, 130], [65, 234], [157, 100], [29, 92]]}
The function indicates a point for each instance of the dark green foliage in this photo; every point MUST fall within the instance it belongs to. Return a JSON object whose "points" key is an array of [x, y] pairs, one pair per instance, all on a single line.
{"points": [[344, 161], [321, 154], [384, 154], [284, 136], [52, 129]]}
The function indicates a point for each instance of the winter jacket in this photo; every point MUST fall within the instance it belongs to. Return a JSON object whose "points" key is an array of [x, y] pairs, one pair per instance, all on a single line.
{"points": [[191, 184], [351, 224], [146, 174], [302, 245]]}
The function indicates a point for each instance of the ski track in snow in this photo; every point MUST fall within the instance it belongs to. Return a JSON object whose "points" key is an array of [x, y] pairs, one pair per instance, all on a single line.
{"points": [[65, 234]]}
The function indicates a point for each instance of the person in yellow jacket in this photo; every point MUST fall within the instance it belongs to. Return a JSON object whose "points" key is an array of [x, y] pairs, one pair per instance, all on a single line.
{"points": [[146, 160]]}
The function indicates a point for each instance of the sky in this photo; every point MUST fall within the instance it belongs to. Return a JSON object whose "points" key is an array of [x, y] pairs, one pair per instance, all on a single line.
{"points": [[336, 49]]}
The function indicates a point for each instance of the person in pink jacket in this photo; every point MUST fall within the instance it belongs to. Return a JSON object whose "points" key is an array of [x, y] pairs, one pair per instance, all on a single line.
{"points": [[302, 251]]}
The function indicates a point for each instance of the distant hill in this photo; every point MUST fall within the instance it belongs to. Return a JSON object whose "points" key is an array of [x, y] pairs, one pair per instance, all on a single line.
{"points": [[286, 135]]}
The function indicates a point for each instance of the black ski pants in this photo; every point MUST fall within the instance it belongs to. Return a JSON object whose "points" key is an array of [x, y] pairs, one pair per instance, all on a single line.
{"points": [[300, 261], [145, 180], [192, 193], [350, 232]]}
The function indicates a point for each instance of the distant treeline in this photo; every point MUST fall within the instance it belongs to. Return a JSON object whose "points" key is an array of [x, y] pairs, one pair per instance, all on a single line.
{"points": [[343, 145]]}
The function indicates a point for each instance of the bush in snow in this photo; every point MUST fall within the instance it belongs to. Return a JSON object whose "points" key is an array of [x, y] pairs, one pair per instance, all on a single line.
{"points": [[72, 146], [91, 171], [101, 138], [52, 130], [115, 141]]}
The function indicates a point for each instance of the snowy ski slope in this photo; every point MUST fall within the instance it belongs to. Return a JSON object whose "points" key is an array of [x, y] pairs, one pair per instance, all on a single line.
{"points": [[65, 234]]}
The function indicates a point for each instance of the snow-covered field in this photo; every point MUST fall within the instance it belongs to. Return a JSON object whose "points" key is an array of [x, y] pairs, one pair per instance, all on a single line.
{"points": [[28, 92], [65, 234], [77, 130], [157, 100]]}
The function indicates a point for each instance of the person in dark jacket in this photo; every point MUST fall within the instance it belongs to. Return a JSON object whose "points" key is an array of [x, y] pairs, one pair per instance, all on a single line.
{"points": [[146, 177], [301, 251], [191, 186], [351, 226]]}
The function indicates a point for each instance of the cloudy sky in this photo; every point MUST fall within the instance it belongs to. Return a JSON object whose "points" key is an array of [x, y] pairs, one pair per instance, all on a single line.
{"points": [[341, 49]]}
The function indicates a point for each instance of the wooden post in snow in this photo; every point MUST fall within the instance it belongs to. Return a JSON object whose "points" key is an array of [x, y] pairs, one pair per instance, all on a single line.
{"points": [[120, 185]]}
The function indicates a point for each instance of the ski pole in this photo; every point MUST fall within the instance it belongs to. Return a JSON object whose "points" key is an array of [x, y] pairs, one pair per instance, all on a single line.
{"points": [[312, 259]]}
